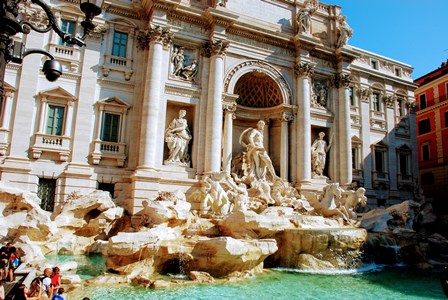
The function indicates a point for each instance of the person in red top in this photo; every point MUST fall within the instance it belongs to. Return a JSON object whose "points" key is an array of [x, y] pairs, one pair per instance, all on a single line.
{"points": [[13, 262], [56, 279]]}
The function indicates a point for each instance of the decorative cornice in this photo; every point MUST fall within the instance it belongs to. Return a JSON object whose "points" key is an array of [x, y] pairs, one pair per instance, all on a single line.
{"points": [[215, 47], [182, 91], [304, 69]]}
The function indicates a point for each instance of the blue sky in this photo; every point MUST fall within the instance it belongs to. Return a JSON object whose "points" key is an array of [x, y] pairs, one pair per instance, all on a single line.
{"points": [[414, 32]]}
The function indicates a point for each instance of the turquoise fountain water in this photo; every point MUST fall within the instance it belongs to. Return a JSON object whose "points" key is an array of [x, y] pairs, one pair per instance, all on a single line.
{"points": [[371, 282]]}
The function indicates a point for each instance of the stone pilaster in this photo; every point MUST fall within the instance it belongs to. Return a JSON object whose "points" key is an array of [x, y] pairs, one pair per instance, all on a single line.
{"points": [[364, 95]]}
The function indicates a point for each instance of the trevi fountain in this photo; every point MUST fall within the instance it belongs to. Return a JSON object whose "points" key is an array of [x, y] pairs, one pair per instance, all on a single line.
{"points": [[247, 222]]}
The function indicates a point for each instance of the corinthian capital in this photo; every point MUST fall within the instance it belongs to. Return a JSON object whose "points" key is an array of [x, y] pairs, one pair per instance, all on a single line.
{"points": [[364, 94], [304, 69], [342, 80], [229, 106], [215, 47], [154, 33], [389, 99]]}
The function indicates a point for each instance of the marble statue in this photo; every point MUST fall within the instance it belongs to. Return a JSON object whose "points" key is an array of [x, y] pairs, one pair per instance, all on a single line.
{"points": [[319, 150], [345, 32], [319, 94], [177, 137], [258, 164], [177, 58], [304, 19], [216, 200], [190, 71], [352, 199], [331, 201]]}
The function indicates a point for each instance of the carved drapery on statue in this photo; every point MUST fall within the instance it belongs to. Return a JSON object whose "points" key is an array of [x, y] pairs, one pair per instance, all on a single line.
{"points": [[319, 150], [319, 93], [177, 138], [345, 32]]}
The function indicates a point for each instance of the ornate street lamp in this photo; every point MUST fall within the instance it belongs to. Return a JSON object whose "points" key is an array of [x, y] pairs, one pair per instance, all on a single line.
{"points": [[13, 51]]}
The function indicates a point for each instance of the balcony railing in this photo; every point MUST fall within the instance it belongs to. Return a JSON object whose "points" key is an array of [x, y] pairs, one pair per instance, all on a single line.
{"points": [[51, 143], [109, 150]]}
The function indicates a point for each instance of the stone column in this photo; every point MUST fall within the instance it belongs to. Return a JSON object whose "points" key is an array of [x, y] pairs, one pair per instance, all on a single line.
{"points": [[284, 147], [267, 122], [366, 158], [293, 150], [216, 50], [229, 108], [158, 37], [304, 72], [342, 83]]}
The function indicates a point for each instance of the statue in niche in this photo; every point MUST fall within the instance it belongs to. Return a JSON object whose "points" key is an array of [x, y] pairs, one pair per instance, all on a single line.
{"points": [[304, 19], [319, 150], [258, 164], [344, 32], [319, 94], [177, 137]]}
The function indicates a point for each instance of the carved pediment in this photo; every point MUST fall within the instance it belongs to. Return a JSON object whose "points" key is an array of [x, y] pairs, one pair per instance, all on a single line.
{"points": [[57, 92]]}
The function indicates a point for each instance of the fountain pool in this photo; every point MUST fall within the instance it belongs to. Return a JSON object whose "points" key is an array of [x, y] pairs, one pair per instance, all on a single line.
{"points": [[372, 282]]}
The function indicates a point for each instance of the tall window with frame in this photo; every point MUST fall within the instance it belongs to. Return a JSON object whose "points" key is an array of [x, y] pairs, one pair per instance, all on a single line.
{"points": [[422, 101], [446, 119], [376, 105], [379, 161], [110, 128], [400, 106], [425, 152], [69, 28], [352, 96], [424, 126], [55, 120], [119, 44]]}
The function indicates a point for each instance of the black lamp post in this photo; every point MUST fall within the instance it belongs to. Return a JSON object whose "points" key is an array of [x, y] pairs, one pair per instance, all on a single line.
{"points": [[13, 51]]}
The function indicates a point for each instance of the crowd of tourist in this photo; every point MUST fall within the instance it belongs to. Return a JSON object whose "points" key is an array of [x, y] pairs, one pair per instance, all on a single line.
{"points": [[46, 286]]}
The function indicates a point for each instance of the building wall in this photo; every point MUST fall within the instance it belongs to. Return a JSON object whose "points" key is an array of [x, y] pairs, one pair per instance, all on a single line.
{"points": [[434, 171], [141, 88]]}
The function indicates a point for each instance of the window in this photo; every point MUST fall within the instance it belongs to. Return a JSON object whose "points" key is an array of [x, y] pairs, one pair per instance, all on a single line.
{"points": [[110, 128], [424, 126], [119, 44], [46, 191], [379, 161], [446, 119], [400, 107], [425, 152], [53, 127], [55, 120], [422, 101], [374, 64], [376, 101], [107, 187], [69, 28], [427, 178], [398, 72], [404, 167], [352, 96], [109, 140]]}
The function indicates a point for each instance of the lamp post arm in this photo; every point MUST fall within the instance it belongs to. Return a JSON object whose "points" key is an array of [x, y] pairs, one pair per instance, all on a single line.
{"points": [[52, 24]]}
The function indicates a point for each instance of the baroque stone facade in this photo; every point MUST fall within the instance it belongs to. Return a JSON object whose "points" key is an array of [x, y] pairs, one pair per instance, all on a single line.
{"points": [[225, 65]]}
